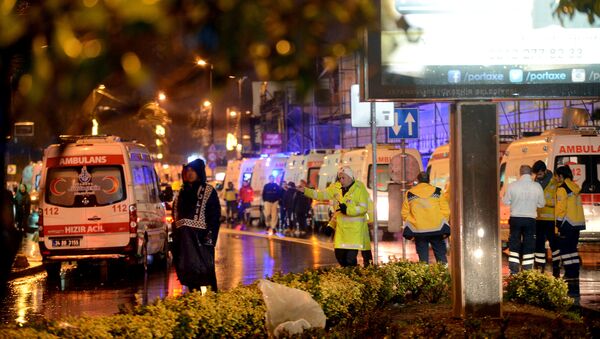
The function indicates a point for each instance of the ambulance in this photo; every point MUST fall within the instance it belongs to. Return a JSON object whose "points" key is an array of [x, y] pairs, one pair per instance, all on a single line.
{"points": [[361, 163], [322, 210], [100, 200], [579, 148], [438, 167], [237, 171], [305, 167], [264, 167]]}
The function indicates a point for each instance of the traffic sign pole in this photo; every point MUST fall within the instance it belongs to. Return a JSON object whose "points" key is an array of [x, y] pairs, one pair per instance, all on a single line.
{"points": [[374, 185]]}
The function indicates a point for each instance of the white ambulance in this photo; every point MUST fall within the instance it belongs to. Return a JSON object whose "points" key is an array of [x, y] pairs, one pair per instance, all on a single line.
{"points": [[438, 167], [322, 210], [577, 148], [361, 163], [305, 167], [100, 200], [264, 167]]}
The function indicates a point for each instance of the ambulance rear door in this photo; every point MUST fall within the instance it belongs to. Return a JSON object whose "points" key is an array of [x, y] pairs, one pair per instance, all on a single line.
{"points": [[582, 155], [85, 203]]}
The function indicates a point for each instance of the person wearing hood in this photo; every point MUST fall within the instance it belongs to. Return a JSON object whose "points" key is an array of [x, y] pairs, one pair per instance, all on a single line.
{"points": [[350, 218], [570, 220], [197, 213], [425, 213]]}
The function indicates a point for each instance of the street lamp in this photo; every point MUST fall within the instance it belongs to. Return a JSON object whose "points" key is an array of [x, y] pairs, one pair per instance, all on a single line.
{"points": [[207, 103]]}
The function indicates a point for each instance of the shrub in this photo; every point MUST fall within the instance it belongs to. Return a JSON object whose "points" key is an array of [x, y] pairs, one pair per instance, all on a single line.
{"points": [[538, 289], [340, 296]]}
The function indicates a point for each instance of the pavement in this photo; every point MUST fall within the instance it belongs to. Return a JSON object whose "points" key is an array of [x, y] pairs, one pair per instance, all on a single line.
{"points": [[29, 259]]}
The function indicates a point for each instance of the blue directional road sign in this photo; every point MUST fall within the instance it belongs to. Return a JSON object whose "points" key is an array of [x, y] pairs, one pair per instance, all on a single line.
{"points": [[406, 124]]}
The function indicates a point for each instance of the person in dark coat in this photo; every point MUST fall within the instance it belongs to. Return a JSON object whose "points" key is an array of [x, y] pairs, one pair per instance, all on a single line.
{"points": [[197, 213], [23, 208], [302, 205], [287, 204]]}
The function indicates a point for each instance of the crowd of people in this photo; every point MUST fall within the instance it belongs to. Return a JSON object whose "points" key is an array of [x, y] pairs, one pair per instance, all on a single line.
{"points": [[285, 210], [548, 208], [543, 207]]}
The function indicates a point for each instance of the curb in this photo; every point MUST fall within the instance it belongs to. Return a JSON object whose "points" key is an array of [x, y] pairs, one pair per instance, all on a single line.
{"points": [[33, 269]]}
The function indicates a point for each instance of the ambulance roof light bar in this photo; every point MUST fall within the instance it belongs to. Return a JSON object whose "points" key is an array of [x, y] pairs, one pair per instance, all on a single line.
{"points": [[67, 139]]}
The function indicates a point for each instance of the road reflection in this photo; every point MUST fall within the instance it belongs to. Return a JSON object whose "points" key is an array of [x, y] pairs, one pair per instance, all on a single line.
{"points": [[94, 290]]}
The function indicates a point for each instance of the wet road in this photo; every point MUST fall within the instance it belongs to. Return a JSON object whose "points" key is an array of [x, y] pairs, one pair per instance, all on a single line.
{"points": [[241, 259]]}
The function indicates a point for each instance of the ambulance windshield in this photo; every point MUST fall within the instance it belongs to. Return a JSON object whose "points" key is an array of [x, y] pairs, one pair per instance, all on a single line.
{"points": [[84, 186]]}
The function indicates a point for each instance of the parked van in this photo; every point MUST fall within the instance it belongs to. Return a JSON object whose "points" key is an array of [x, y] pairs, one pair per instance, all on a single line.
{"points": [[100, 200], [361, 163], [577, 148]]}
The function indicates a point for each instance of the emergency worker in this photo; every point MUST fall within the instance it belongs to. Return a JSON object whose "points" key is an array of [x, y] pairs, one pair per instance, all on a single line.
{"points": [[426, 213], [524, 197], [350, 218], [570, 221], [231, 202], [544, 224]]}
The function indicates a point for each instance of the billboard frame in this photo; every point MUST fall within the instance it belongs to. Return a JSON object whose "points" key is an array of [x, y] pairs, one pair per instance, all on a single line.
{"points": [[374, 89]]}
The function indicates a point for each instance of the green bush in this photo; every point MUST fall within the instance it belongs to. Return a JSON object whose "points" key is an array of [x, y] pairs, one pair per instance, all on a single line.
{"points": [[343, 293], [538, 289]]}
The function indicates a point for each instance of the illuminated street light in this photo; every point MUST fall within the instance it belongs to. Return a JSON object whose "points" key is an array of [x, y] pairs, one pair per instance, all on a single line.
{"points": [[160, 131], [94, 127], [207, 104], [162, 96], [233, 114]]}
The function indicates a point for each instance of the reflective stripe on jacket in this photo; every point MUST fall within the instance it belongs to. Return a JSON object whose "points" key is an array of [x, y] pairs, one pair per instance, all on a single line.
{"points": [[351, 230], [569, 210], [425, 211]]}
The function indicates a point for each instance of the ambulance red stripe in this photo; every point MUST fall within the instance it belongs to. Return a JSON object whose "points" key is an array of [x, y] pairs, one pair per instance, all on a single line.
{"points": [[117, 227], [114, 159]]}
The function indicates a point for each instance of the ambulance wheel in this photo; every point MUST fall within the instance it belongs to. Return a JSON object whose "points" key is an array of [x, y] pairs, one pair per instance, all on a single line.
{"points": [[53, 270]]}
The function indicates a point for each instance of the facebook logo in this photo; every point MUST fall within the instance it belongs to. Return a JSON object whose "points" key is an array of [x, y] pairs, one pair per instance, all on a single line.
{"points": [[454, 76], [515, 75]]}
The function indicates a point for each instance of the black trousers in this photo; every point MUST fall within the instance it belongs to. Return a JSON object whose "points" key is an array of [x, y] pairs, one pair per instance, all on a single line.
{"points": [[346, 257]]}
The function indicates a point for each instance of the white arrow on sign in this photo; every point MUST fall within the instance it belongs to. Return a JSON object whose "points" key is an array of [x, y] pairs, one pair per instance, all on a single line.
{"points": [[410, 120], [396, 128]]}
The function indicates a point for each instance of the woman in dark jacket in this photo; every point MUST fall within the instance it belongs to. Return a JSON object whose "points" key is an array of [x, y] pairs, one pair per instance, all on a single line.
{"points": [[23, 208], [197, 220]]}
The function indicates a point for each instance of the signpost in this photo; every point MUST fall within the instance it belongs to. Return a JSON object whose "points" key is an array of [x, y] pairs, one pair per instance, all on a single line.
{"points": [[406, 126]]}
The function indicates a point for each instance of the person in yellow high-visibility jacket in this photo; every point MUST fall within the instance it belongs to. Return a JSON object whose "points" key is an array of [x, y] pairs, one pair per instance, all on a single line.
{"points": [[425, 213], [350, 218]]}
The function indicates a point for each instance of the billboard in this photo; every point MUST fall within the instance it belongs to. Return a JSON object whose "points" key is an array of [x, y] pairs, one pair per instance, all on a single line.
{"points": [[473, 49]]}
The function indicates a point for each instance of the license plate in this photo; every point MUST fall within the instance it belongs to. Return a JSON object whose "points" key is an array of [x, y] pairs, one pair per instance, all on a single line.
{"points": [[66, 242]]}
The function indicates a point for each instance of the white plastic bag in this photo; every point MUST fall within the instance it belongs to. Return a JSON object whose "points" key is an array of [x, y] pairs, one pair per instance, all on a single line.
{"points": [[287, 306]]}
